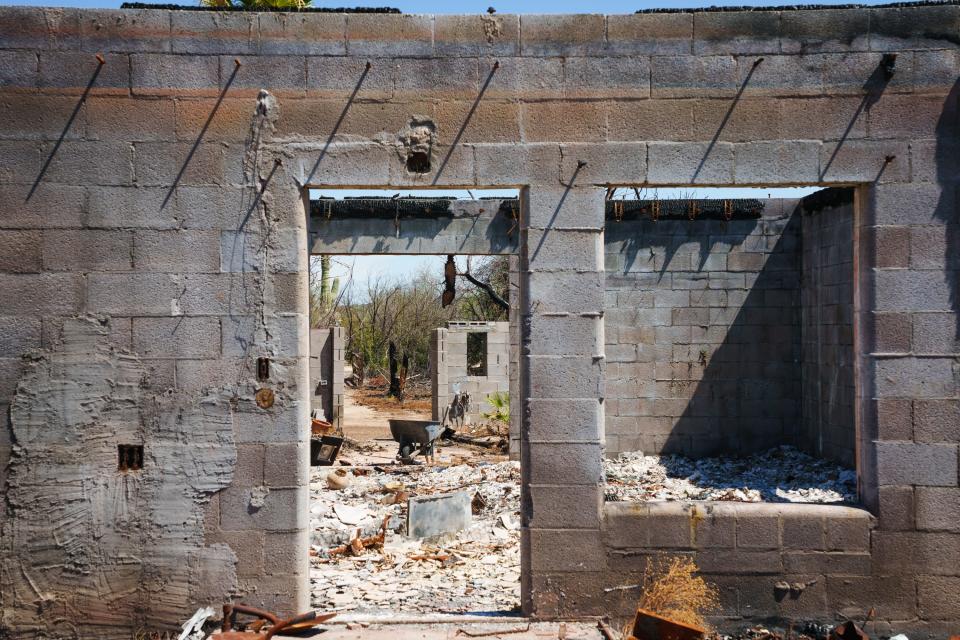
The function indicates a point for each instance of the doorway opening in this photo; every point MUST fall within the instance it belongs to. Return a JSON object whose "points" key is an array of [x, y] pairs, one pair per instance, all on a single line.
{"points": [[730, 345], [415, 478]]}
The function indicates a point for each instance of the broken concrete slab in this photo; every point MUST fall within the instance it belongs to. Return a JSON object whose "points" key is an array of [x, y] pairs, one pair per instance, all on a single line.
{"points": [[429, 516]]}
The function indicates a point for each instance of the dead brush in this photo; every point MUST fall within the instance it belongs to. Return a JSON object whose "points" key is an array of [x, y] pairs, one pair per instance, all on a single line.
{"points": [[671, 589]]}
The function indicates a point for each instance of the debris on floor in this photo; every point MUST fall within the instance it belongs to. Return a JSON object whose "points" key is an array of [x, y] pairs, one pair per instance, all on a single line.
{"points": [[782, 474], [476, 569]]}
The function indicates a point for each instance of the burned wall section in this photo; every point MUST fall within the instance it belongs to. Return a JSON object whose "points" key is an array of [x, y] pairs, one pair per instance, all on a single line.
{"points": [[828, 427], [169, 199], [702, 329], [91, 546]]}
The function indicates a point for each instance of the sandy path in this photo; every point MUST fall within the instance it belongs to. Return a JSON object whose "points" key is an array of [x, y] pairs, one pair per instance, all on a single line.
{"points": [[363, 423]]}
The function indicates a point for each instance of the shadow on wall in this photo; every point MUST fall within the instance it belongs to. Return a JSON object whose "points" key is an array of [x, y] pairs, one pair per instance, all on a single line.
{"points": [[738, 379], [947, 158]]}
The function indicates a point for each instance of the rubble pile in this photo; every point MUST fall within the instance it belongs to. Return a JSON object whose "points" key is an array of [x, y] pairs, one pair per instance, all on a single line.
{"points": [[782, 474], [476, 569]]}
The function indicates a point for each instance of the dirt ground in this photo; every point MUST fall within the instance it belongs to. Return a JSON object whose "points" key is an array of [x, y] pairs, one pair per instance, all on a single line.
{"points": [[517, 629]]}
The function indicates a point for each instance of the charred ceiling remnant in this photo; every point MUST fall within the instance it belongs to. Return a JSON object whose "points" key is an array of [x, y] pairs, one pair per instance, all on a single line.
{"points": [[86, 541]]}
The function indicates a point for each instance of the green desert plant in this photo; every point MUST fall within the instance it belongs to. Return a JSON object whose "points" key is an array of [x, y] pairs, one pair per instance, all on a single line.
{"points": [[255, 5], [500, 403]]}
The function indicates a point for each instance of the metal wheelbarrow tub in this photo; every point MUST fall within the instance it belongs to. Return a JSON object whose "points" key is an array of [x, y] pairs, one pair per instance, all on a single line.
{"points": [[414, 436]]}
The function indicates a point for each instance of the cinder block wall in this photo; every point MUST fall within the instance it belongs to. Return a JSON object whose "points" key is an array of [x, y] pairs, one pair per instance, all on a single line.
{"points": [[828, 426], [450, 366], [199, 267], [326, 373], [702, 330]]}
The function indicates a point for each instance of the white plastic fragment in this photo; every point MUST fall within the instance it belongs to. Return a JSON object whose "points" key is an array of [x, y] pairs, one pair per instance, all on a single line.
{"points": [[193, 628]]}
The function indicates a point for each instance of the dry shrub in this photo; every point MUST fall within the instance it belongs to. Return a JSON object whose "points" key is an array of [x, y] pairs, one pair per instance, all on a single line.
{"points": [[670, 589]]}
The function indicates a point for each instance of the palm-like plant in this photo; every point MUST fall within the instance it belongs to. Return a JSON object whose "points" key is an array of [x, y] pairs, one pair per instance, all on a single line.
{"points": [[500, 406]]}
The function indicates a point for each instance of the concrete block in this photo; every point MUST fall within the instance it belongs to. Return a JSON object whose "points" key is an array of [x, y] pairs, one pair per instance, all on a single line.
{"points": [[488, 122], [19, 335], [739, 562], [758, 530], [133, 294], [553, 335], [437, 514], [935, 333], [128, 120], [896, 509], [181, 75], [905, 463], [10, 371], [32, 28], [128, 30], [692, 163], [20, 251], [282, 510], [209, 207], [931, 247], [894, 418], [214, 32], [229, 121], [937, 598], [183, 337], [345, 163], [160, 163], [819, 563], [724, 32], [562, 35], [563, 121], [938, 509], [34, 117], [287, 553], [382, 35], [803, 531], [337, 78], [822, 119], [526, 78], [567, 464], [931, 204], [641, 120], [286, 465], [910, 117], [488, 35], [650, 34], [574, 209], [176, 251], [283, 76], [311, 34], [564, 420], [90, 163], [936, 420], [909, 28], [891, 332], [547, 550], [564, 249], [607, 77], [693, 76], [776, 162], [562, 506], [750, 119], [130, 207], [441, 78], [865, 161], [609, 162], [87, 250], [849, 533], [911, 290], [68, 72], [248, 545], [51, 206], [42, 293], [848, 593], [508, 164], [823, 31]]}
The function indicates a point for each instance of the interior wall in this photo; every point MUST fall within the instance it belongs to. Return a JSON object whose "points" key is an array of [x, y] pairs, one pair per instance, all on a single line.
{"points": [[702, 330], [828, 427]]}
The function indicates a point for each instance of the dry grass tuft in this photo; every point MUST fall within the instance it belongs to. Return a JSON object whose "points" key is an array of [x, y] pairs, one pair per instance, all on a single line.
{"points": [[670, 589]]}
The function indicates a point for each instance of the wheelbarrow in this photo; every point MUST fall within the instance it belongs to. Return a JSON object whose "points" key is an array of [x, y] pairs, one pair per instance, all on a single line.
{"points": [[415, 436], [252, 629]]}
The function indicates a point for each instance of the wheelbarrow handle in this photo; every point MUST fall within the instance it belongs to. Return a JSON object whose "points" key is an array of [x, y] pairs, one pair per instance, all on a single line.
{"points": [[309, 616], [230, 612]]}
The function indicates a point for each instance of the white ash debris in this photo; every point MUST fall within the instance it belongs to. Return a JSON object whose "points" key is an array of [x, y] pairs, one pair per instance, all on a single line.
{"points": [[782, 474], [475, 570]]}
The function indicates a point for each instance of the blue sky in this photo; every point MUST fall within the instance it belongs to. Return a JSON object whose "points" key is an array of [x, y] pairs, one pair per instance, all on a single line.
{"points": [[479, 6]]}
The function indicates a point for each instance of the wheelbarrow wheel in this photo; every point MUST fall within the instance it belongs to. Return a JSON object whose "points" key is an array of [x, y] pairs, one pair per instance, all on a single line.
{"points": [[406, 452]]}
